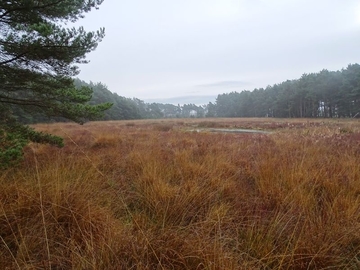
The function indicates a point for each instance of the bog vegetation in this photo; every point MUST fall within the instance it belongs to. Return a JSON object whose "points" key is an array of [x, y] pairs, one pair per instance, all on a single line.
{"points": [[157, 194]]}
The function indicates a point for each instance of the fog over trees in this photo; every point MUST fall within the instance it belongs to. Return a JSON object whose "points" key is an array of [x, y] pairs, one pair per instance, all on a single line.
{"points": [[324, 94], [328, 94]]}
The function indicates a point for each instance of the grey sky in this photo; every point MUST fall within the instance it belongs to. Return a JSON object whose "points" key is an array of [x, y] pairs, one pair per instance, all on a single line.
{"points": [[159, 49]]}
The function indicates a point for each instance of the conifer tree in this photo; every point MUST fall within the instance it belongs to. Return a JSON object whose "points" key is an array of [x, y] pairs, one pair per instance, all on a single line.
{"points": [[39, 54]]}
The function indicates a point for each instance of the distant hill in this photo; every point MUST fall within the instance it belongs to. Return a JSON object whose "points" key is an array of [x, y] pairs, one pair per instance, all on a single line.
{"points": [[198, 100]]}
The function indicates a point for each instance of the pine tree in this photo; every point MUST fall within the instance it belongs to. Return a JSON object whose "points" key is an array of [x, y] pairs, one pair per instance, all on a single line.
{"points": [[38, 60]]}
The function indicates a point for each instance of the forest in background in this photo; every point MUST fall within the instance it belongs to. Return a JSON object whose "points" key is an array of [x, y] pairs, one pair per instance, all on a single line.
{"points": [[326, 94]]}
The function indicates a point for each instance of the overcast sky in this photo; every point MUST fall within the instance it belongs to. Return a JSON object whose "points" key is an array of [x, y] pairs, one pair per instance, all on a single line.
{"points": [[160, 49]]}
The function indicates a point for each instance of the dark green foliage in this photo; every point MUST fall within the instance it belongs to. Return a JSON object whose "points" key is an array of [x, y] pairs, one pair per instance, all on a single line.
{"points": [[126, 108], [14, 136], [38, 58], [211, 110], [122, 108], [323, 94]]}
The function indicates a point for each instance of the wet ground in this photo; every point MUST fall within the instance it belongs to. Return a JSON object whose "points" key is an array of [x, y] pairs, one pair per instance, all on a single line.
{"points": [[232, 130]]}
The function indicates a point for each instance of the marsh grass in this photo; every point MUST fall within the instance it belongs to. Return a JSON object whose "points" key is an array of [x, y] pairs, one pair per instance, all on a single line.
{"points": [[122, 196], [163, 127]]}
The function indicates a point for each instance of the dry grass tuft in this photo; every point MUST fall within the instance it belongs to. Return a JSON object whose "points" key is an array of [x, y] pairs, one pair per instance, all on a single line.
{"points": [[122, 196], [163, 127]]}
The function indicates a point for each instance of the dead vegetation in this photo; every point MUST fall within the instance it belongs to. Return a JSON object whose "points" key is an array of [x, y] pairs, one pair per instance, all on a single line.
{"points": [[149, 195]]}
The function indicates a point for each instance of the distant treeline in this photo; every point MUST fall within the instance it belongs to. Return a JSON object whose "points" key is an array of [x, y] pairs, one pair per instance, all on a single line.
{"points": [[133, 108], [323, 94]]}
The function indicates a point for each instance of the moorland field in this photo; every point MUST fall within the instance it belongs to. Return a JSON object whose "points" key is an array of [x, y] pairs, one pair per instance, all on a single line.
{"points": [[170, 194]]}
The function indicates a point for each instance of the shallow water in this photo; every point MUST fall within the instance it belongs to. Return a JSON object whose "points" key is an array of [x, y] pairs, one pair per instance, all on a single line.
{"points": [[232, 130]]}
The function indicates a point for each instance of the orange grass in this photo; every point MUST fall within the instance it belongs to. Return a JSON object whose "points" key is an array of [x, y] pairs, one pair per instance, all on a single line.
{"points": [[155, 195]]}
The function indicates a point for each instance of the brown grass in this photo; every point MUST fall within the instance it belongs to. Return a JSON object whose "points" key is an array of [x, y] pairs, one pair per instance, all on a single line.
{"points": [[127, 195]]}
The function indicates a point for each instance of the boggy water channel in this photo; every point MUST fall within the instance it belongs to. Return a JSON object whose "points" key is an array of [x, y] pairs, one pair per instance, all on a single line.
{"points": [[231, 130]]}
